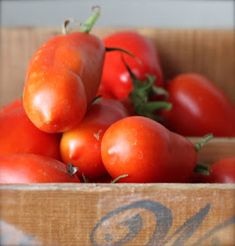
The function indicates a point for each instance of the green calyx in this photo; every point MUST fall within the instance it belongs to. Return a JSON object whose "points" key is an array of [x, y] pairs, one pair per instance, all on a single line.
{"points": [[141, 93]]}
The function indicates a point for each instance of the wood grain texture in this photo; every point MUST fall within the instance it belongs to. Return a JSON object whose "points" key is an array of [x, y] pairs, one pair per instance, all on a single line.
{"points": [[125, 214], [210, 52], [215, 149]]}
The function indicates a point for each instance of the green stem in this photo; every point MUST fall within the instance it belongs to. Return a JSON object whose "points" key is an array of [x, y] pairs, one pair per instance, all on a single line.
{"points": [[160, 91], [203, 141], [90, 22], [152, 106], [110, 49], [118, 178], [202, 169]]}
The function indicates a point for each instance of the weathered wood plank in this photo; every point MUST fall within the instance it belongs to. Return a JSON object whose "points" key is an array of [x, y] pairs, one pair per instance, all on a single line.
{"points": [[124, 214]]}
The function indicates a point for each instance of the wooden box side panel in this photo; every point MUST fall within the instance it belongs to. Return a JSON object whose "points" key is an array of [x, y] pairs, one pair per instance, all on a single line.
{"points": [[210, 52], [130, 215]]}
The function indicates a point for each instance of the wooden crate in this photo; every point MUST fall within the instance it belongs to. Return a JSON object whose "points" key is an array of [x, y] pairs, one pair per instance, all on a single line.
{"points": [[124, 214]]}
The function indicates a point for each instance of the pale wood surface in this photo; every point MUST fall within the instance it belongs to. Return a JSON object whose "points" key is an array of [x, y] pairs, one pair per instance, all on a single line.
{"points": [[215, 149], [210, 52], [125, 214]]}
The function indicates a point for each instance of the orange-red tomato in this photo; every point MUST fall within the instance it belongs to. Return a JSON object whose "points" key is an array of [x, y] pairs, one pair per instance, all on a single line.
{"points": [[19, 135], [62, 79], [198, 107], [31, 168], [147, 152], [81, 145]]}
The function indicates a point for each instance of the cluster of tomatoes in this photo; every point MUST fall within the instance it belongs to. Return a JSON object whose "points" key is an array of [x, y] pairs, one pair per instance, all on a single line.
{"points": [[100, 111]]}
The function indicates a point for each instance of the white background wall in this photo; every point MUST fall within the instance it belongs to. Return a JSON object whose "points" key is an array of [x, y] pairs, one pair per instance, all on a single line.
{"points": [[157, 13]]}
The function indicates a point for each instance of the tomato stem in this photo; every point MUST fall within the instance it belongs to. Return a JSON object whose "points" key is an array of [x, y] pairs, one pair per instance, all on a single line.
{"points": [[96, 99], [141, 93], [84, 178], [198, 146], [65, 26], [160, 91], [89, 23], [202, 169], [71, 169], [111, 49], [118, 178]]}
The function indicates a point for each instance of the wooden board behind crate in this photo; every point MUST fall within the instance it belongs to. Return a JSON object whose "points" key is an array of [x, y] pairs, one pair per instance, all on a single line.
{"points": [[117, 215], [210, 52]]}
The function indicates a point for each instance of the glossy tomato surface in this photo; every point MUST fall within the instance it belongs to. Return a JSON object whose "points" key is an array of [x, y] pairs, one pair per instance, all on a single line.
{"points": [[62, 79], [223, 171], [31, 168], [116, 80], [81, 145], [19, 135], [147, 152], [199, 107]]}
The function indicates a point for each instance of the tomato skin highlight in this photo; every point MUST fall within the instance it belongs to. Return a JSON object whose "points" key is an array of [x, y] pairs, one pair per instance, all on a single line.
{"points": [[31, 168], [116, 80], [81, 145], [62, 79], [19, 135], [198, 107], [147, 152]]}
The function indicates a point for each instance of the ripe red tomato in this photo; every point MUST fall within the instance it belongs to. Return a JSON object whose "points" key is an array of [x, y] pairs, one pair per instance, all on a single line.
{"points": [[116, 80], [198, 107], [19, 135], [221, 171], [31, 168], [62, 79], [147, 152], [81, 145]]}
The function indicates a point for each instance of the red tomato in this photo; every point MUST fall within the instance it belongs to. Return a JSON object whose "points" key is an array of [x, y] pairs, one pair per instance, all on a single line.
{"points": [[222, 171], [81, 145], [198, 107], [19, 135], [147, 152], [31, 168], [115, 78], [62, 79]]}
